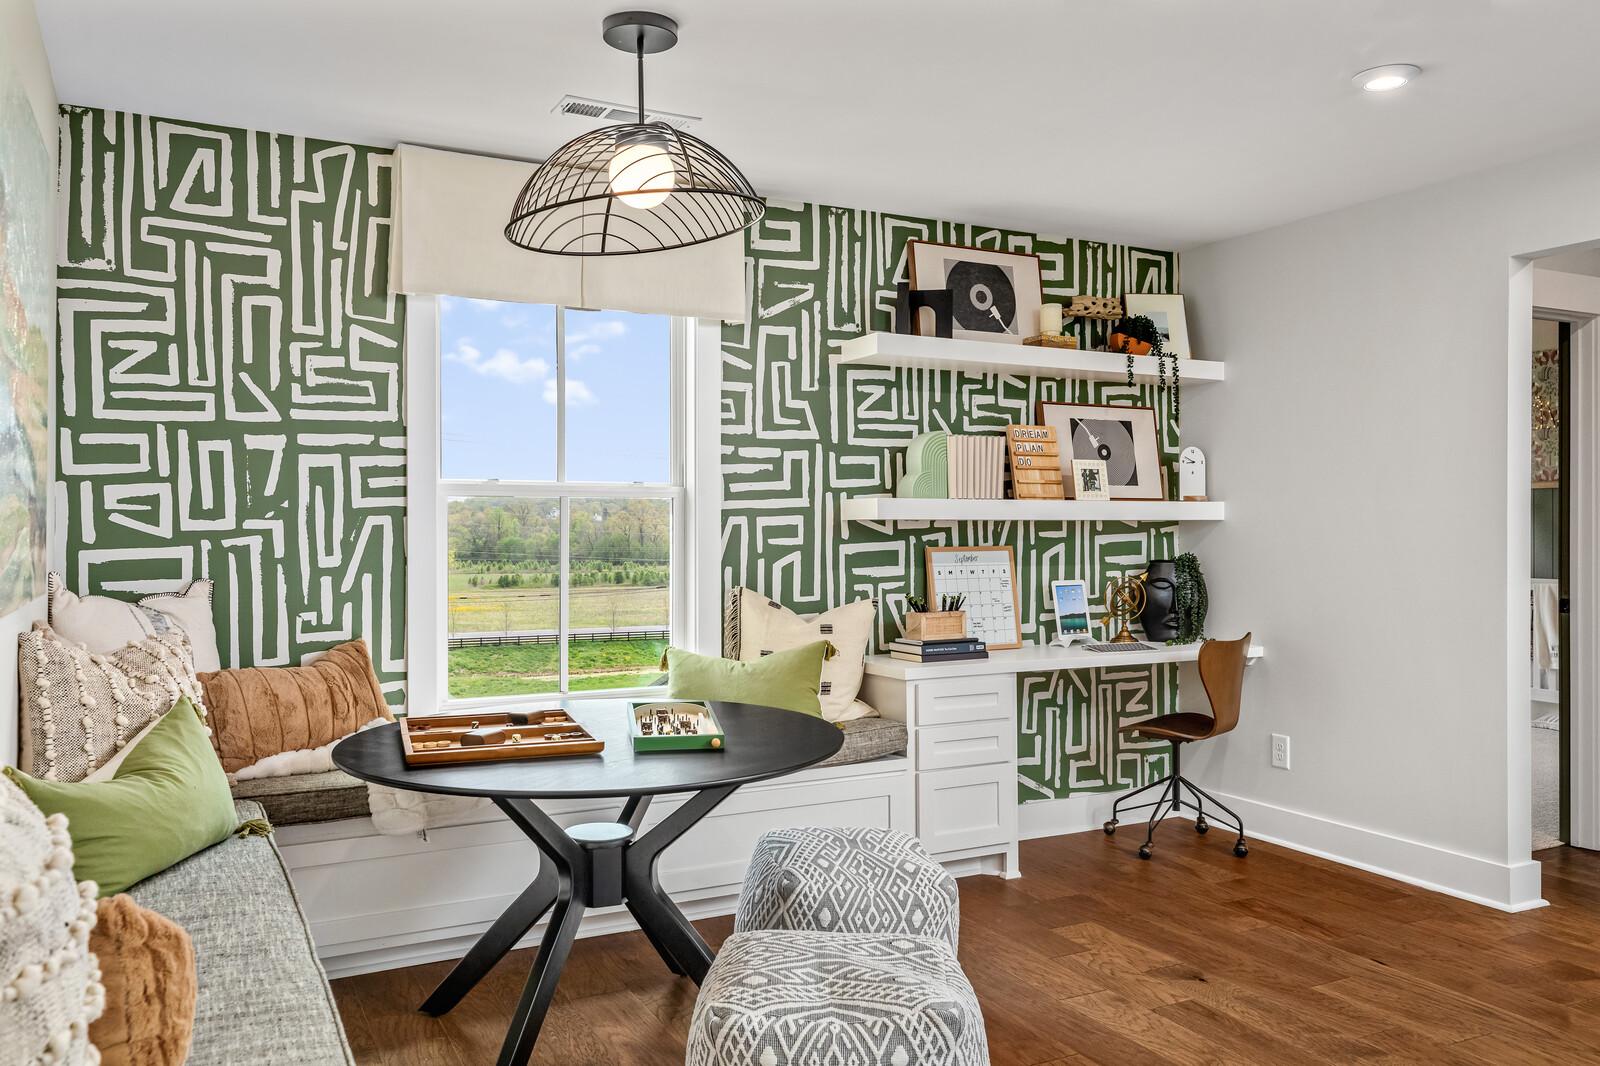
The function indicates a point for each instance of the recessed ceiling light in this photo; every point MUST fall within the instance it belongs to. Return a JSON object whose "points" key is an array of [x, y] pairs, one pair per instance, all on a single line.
{"points": [[1386, 79]]}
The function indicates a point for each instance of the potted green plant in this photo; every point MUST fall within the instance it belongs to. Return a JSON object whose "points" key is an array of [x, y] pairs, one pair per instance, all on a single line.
{"points": [[1136, 335]]}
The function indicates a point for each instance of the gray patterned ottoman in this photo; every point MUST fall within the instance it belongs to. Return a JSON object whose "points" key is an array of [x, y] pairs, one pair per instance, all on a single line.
{"points": [[783, 998], [847, 880]]}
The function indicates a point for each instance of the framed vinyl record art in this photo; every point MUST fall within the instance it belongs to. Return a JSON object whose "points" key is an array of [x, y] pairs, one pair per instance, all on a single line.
{"points": [[994, 296], [1124, 438]]}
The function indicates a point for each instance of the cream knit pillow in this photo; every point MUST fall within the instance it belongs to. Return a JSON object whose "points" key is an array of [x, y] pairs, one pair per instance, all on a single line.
{"points": [[79, 707], [50, 986], [753, 626]]}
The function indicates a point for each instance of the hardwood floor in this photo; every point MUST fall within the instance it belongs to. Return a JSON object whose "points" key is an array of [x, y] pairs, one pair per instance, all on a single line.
{"points": [[1096, 957]]}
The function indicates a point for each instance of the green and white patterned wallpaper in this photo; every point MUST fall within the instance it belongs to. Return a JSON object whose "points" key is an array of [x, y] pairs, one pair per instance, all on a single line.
{"points": [[800, 433], [229, 399], [229, 407]]}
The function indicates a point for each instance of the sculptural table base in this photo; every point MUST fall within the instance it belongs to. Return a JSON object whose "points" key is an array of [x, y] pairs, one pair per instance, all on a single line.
{"points": [[598, 864]]}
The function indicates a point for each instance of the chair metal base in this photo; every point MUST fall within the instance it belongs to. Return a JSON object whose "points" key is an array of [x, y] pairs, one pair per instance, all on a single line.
{"points": [[1171, 800]]}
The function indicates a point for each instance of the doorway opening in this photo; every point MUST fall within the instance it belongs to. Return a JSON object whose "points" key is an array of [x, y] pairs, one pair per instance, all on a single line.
{"points": [[1564, 569]]}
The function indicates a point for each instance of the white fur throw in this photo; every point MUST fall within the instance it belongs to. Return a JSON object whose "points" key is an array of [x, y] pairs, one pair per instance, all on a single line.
{"points": [[398, 813], [79, 708], [299, 761], [50, 986]]}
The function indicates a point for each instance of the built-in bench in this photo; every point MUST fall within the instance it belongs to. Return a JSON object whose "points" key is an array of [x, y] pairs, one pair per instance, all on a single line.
{"points": [[300, 799]]}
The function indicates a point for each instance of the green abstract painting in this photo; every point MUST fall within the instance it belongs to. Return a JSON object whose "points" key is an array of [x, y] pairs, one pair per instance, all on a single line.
{"points": [[27, 280]]}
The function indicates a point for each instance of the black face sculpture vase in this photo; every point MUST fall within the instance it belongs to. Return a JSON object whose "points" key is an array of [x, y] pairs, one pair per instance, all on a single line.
{"points": [[1160, 615]]}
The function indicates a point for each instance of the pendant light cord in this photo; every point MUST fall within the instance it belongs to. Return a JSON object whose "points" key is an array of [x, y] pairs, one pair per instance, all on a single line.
{"points": [[641, 75]]}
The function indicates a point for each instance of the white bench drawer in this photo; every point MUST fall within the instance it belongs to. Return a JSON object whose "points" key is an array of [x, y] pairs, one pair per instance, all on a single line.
{"points": [[940, 747], [967, 807], [965, 699]]}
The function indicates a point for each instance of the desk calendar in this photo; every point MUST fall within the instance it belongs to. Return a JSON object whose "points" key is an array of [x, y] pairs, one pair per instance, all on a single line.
{"points": [[987, 577]]}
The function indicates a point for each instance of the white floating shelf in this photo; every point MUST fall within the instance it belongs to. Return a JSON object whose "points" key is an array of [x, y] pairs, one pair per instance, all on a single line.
{"points": [[897, 509], [989, 357]]}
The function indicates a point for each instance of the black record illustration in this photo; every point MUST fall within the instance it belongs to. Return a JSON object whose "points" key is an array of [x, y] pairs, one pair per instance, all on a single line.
{"points": [[982, 297], [1104, 438]]}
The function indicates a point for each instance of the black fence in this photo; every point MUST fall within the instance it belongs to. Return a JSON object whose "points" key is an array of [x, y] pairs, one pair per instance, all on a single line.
{"points": [[551, 636]]}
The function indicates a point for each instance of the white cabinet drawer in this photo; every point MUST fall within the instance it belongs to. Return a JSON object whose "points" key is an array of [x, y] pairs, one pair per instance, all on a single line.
{"points": [[967, 807], [965, 699], [940, 747]]}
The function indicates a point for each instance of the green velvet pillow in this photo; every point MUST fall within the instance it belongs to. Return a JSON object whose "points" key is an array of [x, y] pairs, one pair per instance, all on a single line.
{"points": [[168, 800], [785, 679]]}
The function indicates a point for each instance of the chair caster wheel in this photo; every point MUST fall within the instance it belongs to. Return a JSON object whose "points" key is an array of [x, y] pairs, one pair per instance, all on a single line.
{"points": [[1240, 850], [1202, 827], [1110, 827], [1144, 851]]}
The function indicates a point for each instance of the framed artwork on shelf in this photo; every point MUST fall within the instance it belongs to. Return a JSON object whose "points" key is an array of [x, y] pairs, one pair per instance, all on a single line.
{"points": [[1124, 438], [987, 577], [1090, 480], [994, 296], [1166, 311]]}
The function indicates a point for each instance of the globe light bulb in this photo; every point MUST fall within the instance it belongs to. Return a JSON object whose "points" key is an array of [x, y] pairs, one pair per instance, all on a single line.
{"points": [[643, 175]]}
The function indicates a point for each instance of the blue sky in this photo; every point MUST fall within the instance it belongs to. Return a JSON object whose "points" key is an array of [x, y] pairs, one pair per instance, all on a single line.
{"points": [[498, 383]]}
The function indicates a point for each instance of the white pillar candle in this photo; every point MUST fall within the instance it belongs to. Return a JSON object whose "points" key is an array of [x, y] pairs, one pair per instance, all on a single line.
{"points": [[1050, 319]]}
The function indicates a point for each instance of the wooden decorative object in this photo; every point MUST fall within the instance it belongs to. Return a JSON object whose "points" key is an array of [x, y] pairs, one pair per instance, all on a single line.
{"points": [[674, 725], [1035, 458], [1052, 340], [451, 738], [936, 625], [1104, 308]]}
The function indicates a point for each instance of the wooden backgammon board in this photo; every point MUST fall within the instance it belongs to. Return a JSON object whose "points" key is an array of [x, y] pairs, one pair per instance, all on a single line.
{"points": [[455, 738]]}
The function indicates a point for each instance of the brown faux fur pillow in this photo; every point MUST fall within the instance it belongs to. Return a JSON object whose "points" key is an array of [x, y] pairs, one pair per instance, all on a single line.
{"points": [[147, 966], [262, 711]]}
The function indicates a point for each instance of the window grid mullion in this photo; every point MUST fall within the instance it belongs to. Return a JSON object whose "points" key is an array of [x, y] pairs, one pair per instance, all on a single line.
{"points": [[564, 599]]}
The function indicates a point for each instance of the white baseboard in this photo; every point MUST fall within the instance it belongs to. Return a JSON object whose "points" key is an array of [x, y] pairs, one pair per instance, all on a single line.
{"points": [[1506, 887]]}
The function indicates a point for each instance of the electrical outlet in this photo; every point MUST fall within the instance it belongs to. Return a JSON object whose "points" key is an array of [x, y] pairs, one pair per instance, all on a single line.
{"points": [[1280, 751]]}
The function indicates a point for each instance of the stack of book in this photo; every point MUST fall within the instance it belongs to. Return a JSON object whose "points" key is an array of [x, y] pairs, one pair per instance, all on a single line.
{"points": [[953, 650]]}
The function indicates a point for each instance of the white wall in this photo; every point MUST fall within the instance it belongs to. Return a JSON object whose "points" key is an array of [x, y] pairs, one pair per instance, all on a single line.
{"points": [[22, 51], [1371, 444]]}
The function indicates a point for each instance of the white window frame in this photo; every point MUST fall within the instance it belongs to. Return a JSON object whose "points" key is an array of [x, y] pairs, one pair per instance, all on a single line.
{"points": [[695, 492]]}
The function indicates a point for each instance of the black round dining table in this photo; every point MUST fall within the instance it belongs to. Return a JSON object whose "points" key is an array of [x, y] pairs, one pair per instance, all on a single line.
{"points": [[595, 864]]}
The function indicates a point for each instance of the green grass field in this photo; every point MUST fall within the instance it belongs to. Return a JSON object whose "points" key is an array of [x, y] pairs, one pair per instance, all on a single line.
{"points": [[510, 670], [497, 610]]}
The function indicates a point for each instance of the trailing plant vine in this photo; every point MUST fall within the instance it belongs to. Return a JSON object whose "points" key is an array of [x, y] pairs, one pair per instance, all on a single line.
{"points": [[1190, 599]]}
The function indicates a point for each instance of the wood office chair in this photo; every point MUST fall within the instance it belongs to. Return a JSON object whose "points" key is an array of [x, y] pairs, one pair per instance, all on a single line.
{"points": [[1222, 673]]}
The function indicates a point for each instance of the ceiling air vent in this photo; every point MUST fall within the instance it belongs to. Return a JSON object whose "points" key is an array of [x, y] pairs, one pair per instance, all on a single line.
{"points": [[604, 111]]}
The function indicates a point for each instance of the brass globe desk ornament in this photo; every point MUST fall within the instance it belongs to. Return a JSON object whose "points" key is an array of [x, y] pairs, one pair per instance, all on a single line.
{"points": [[1125, 598]]}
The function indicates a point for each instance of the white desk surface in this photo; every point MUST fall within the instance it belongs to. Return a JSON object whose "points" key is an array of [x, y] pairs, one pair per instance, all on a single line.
{"points": [[1036, 658]]}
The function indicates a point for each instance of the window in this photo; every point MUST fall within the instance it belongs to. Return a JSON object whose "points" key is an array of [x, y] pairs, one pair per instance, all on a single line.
{"points": [[557, 560]]}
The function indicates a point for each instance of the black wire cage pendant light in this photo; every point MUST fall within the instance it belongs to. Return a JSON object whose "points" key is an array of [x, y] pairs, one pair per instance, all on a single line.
{"points": [[637, 187]]}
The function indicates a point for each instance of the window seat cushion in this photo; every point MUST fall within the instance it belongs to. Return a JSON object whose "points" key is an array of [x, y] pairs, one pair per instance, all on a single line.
{"points": [[300, 798], [868, 738]]}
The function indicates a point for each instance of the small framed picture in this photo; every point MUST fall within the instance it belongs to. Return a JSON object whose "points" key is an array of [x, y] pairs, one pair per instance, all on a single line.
{"points": [[1071, 600], [994, 296], [1123, 437], [1090, 480], [1166, 311]]}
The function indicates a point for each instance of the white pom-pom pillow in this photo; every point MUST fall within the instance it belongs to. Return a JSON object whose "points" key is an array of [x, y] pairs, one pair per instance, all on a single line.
{"points": [[104, 624], [50, 986]]}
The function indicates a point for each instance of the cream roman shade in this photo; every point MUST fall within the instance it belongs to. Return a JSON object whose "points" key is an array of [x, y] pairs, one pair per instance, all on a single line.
{"points": [[450, 217]]}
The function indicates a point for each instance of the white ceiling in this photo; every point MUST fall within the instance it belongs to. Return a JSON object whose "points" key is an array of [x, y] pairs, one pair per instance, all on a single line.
{"points": [[1166, 122]]}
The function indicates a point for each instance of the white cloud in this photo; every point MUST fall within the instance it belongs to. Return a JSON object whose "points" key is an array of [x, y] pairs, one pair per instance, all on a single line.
{"points": [[578, 394], [578, 351], [484, 305], [504, 364]]}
